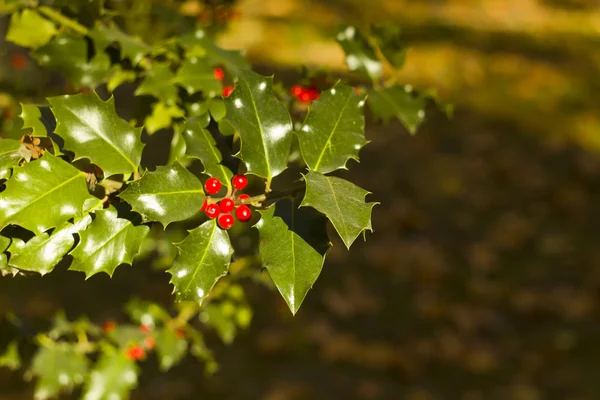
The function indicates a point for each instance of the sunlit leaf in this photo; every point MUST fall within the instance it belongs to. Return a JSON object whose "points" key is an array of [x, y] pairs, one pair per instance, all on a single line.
{"points": [[162, 116], [113, 377], [203, 258], [145, 312], [92, 129], [360, 55], [170, 347], [178, 145], [334, 130], [43, 194], [58, 368], [200, 45], [131, 47], [342, 202], [29, 29], [195, 75], [9, 156], [158, 82], [11, 359], [31, 116], [171, 193], [397, 102], [118, 77]]}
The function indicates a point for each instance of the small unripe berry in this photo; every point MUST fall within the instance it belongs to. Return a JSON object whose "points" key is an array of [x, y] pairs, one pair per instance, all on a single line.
{"points": [[135, 352], [219, 73], [225, 221], [239, 182], [145, 328], [18, 62], [227, 90], [109, 326], [243, 213], [212, 210], [149, 342], [180, 333], [227, 205], [212, 186]]}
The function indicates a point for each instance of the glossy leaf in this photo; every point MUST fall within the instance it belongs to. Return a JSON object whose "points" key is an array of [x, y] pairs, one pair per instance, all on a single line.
{"points": [[202, 259], [388, 37], [199, 44], [9, 157], [58, 368], [399, 102], [4, 268], [31, 116], [360, 55], [170, 348], [195, 75], [159, 83], [108, 242], [92, 129], [162, 116], [41, 253], [342, 202], [178, 146], [200, 144], [68, 54], [131, 47], [113, 377], [263, 123], [11, 359], [334, 130], [171, 193], [293, 243], [43, 194], [29, 29]]}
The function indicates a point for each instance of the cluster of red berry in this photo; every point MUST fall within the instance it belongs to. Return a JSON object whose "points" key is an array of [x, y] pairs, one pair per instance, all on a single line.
{"points": [[219, 75], [305, 94], [222, 210], [138, 351]]}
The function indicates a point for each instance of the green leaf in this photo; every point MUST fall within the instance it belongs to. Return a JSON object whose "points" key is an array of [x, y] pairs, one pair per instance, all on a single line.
{"points": [[131, 47], [68, 54], [11, 359], [31, 116], [200, 144], [293, 243], [397, 101], [263, 123], [202, 259], [217, 109], [199, 45], [360, 55], [170, 348], [342, 202], [224, 323], [171, 193], [388, 37], [30, 29], [113, 377], [9, 157], [4, 268], [108, 242], [145, 312], [178, 146], [334, 130], [197, 76], [92, 129], [119, 76], [58, 367], [42, 253], [159, 83], [43, 194], [161, 117]]}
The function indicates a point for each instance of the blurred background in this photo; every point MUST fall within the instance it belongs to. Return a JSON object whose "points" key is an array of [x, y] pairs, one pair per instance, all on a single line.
{"points": [[481, 279]]}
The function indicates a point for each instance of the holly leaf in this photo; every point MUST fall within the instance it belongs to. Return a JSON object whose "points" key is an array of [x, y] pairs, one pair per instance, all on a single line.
{"points": [[293, 243], [170, 348], [92, 129], [4, 268], [131, 47], [11, 359], [162, 116], [263, 123], [9, 156], [397, 101], [41, 253], [388, 37], [32, 120], [200, 144], [118, 77], [159, 83], [108, 242], [199, 45], [171, 193], [58, 367], [113, 377], [197, 76], [43, 194], [145, 312], [202, 259], [342, 202], [360, 55], [29, 29], [68, 54], [178, 146], [334, 130]]}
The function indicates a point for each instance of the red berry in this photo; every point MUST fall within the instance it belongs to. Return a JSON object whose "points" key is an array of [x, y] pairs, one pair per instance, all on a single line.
{"points": [[227, 205], [98, 170], [357, 89], [180, 333], [219, 73], [305, 97], [297, 90], [225, 221], [239, 182], [212, 210], [243, 196], [313, 93], [109, 326], [149, 342], [243, 213], [227, 91], [212, 186], [145, 328], [204, 205], [135, 352], [18, 62]]}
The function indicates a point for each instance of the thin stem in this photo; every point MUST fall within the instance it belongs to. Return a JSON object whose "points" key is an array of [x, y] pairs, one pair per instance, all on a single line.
{"points": [[61, 19]]}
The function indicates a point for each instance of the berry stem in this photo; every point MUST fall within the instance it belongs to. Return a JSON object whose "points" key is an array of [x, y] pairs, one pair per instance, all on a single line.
{"points": [[61, 19]]}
